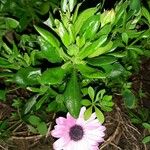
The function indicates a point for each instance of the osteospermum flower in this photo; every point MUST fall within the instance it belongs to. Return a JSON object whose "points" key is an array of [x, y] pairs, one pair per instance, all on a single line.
{"points": [[78, 134]]}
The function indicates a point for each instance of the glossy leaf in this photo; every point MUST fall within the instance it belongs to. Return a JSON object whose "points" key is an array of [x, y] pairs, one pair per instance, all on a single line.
{"points": [[72, 3], [27, 76], [101, 60], [62, 32], [72, 97], [83, 17], [49, 52], [11, 23], [90, 72], [89, 50], [102, 50], [52, 76], [90, 27], [49, 37]]}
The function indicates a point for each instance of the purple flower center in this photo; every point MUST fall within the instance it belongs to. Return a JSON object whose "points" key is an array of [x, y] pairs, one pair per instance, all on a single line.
{"points": [[76, 133]]}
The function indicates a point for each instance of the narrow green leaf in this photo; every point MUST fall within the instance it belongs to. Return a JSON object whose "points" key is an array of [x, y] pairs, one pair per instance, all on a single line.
{"points": [[99, 115], [72, 95], [72, 3], [30, 103], [88, 113], [125, 38], [41, 101], [91, 92], [62, 32], [146, 14]]}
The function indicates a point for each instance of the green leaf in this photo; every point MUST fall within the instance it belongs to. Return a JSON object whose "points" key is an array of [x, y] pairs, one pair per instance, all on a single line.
{"points": [[30, 103], [105, 30], [115, 70], [52, 107], [99, 115], [49, 37], [72, 95], [88, 113], [129, 99], [146, 125], [42, 128], [64, 5], [34, 120], [27, 76], [11, 23], [90, 27], [91, 92], [49, 52], [90, 49], [135, 5], [62, 32], [108, 16], [125, 38], [101, 60], [6, 64], [90, 72], [41, 101], [83, 17], [146, 140], [102, 50], [52, 76], [86, 102], [72, 3], [146, 14], [2, 95]]}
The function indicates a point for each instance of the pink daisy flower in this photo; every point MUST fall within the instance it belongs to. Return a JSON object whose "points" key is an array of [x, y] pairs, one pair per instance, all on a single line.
{"points": [[78, 134]]}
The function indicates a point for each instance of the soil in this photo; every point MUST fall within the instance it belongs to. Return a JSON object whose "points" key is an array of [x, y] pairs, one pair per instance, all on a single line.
{"points": [[121, 134]]}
